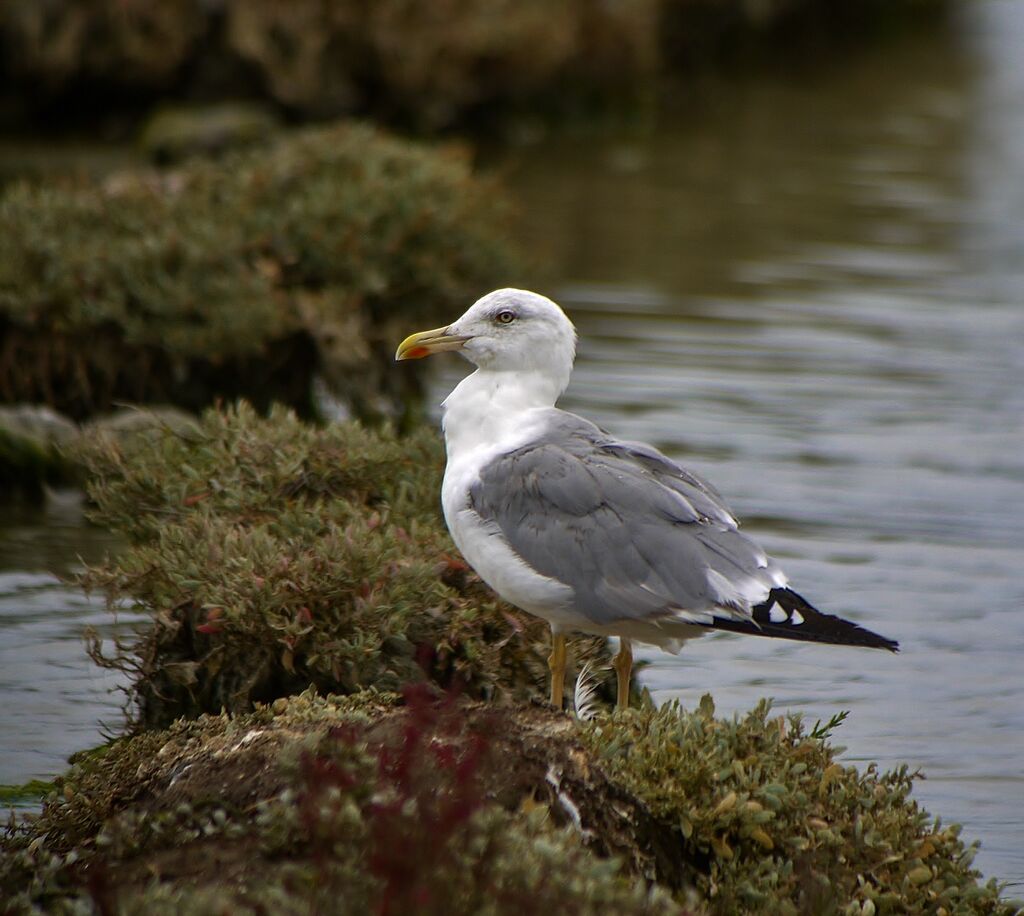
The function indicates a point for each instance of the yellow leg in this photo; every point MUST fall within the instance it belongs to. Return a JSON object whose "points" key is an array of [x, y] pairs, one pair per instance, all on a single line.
{"points": [[556, 662], [623, 663]]}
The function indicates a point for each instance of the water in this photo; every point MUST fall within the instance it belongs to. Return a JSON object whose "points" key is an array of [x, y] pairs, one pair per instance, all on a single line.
{"points": [[811, 291], [809, 288], [55, 700]]}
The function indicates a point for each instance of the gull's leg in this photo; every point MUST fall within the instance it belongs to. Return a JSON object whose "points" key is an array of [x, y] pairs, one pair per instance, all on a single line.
{"points": [[623, 664], [556, 662]]}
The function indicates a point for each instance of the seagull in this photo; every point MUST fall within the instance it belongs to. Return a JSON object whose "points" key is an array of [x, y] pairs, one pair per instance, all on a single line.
{"points": [[589, 532]]}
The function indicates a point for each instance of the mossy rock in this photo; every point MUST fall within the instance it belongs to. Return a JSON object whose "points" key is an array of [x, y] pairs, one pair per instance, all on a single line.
{"points": [[37, 444], [430, 803], [243, 277], [173, 133], [271, 555], [31, 439]]}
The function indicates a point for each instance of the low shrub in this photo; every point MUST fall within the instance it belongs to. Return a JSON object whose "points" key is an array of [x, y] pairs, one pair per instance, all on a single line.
{"points": [[347, 806], [429, 803], [242, 277], [270, 555], [784, 826]]}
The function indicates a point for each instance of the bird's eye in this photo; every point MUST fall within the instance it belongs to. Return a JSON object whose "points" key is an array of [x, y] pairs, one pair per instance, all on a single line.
{"points": [[505, 317]]}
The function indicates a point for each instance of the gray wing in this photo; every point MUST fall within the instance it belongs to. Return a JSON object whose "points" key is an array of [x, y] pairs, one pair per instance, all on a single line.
{"points": [[633, 533]]}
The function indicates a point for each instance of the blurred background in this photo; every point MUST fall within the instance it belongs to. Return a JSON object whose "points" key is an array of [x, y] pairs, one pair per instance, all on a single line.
{"points": [[791, 235]]}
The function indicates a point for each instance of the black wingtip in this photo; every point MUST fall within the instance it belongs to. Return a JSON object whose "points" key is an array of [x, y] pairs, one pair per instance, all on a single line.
{"points": [[787, 615]]}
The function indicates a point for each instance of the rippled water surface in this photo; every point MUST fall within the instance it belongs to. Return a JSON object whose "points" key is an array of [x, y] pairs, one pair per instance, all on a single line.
{"points": [[811, 289], [52, 698]]}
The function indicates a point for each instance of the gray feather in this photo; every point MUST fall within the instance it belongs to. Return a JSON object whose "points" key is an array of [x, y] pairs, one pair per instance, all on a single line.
{"points": [[633, 533]]}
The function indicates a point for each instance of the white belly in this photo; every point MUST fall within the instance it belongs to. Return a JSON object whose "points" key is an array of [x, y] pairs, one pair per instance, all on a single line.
{"points": [[494, 561]]}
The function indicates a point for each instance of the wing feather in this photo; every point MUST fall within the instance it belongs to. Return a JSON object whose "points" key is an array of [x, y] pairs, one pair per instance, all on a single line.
{"points": [[634, 534]]}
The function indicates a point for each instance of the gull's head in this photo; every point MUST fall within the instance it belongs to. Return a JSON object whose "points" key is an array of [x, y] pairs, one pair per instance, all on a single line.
{"points": [[507, 330]]}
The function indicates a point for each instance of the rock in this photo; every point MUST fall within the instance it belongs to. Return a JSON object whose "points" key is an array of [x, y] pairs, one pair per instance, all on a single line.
{"points": [[31, 458], [176, 132], [133, 421], [37, 443], [42, 424]]}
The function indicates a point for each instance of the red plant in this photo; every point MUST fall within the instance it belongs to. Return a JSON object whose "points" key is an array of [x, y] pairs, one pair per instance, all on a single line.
{"points": [[434, 773], [428, 787]]}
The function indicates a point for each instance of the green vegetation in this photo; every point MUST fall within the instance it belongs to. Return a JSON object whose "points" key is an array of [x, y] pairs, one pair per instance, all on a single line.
{"points": [[242, 276], [784, 827], [31, 791], [430, 803], [428, 65], [271, 555], [437, 64], [339, 805]]}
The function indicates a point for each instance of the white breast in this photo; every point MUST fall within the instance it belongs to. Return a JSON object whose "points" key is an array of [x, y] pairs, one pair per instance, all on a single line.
{"points": [[489, 553], [483, 420]]}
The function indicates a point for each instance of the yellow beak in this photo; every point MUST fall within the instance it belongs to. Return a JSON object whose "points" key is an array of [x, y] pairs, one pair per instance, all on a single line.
{"points": [[425, 343]]}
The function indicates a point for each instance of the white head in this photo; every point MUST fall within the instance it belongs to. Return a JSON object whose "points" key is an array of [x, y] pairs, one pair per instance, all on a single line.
{"points": [[509, 330]]}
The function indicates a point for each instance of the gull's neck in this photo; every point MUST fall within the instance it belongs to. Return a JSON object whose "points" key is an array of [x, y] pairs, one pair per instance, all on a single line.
{"points": [[491, 407]]}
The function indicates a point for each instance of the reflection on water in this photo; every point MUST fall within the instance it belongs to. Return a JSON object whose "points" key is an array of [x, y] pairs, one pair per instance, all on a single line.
{"points": [[812, 292]]}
